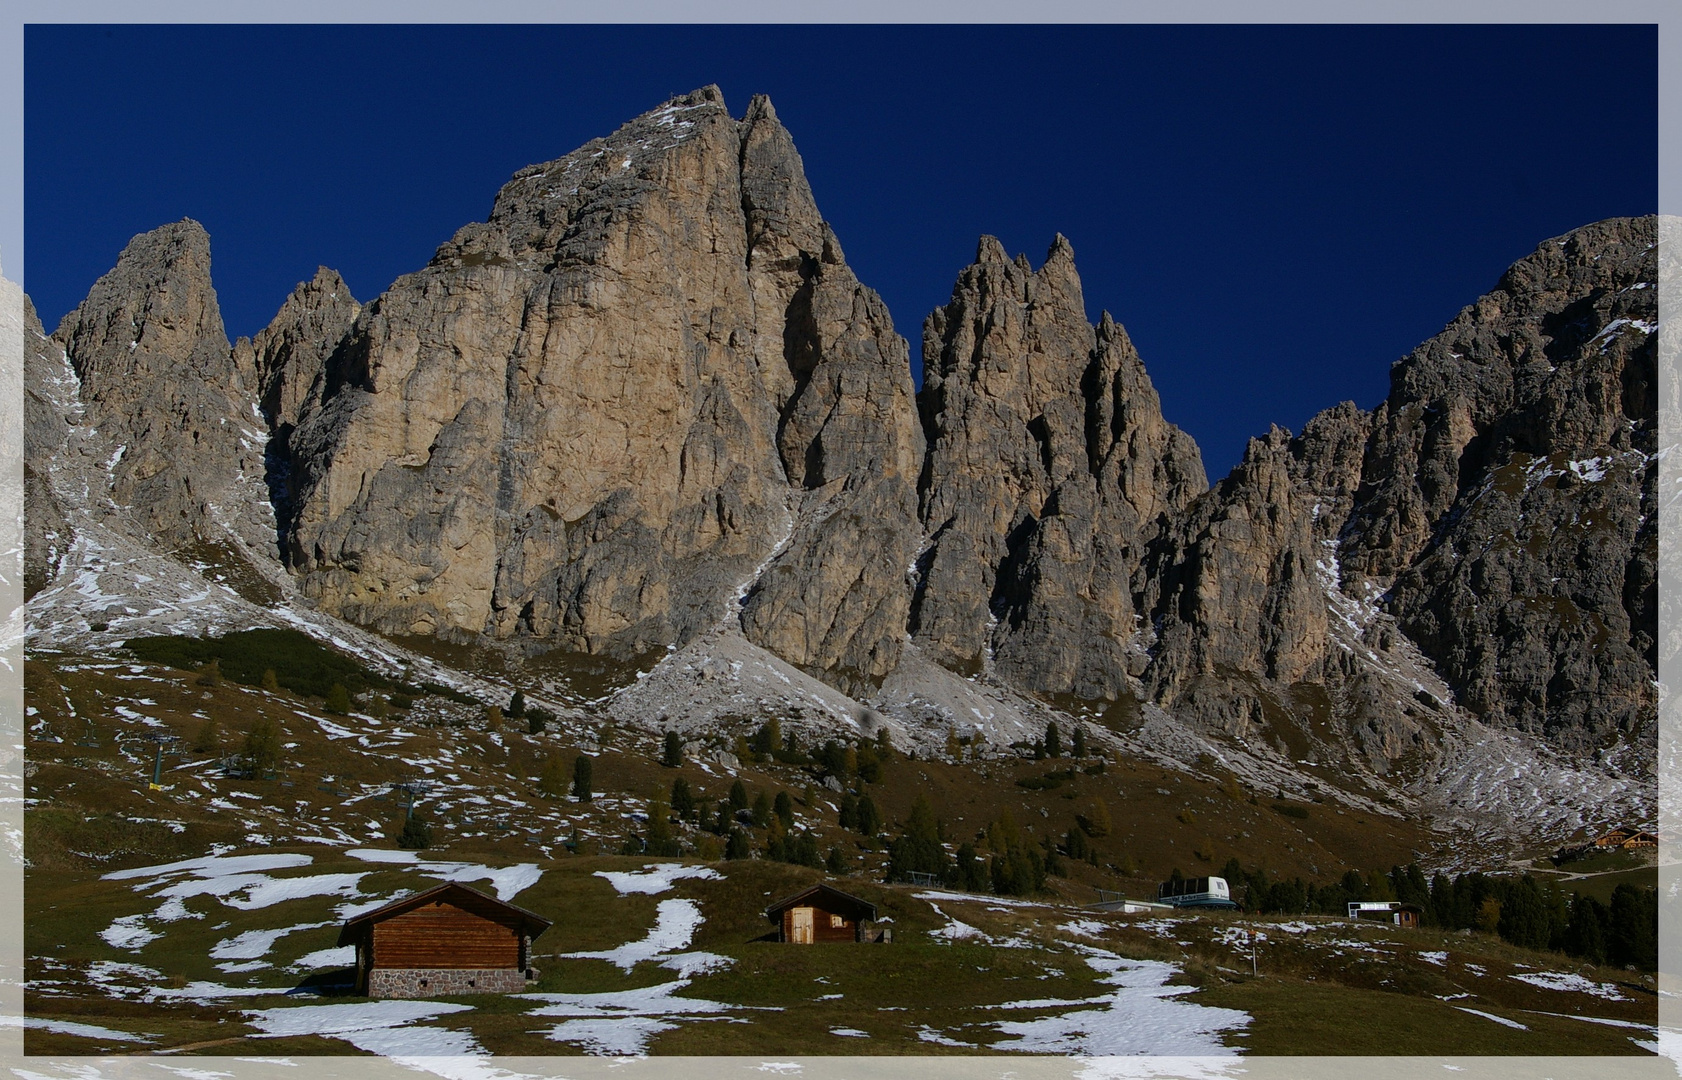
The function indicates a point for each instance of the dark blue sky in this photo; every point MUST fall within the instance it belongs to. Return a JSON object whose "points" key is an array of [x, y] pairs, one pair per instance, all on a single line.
{"points": [[1275, 213]]}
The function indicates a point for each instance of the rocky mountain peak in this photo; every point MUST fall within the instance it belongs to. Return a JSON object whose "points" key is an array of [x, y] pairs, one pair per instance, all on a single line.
{"points": [[156, 305], [645, 410], [1049, 465], [1495, 512], [289, 356], [161, 388]]}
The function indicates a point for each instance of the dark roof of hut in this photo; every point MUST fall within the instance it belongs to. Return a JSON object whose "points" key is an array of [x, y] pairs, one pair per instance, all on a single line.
{"points": [[862, 909], [531, 923]]}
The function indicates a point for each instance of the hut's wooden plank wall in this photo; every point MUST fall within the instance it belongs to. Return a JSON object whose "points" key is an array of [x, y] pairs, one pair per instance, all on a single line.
{"points": [[445, 935], [822, 931]]}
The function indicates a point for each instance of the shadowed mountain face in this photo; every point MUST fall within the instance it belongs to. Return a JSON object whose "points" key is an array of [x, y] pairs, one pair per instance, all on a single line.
{"points": [[647, 400]]}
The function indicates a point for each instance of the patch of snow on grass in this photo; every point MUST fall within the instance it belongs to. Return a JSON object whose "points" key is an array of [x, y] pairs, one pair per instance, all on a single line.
{"points": [[70, 1027], [625, 1036], [342, 956], [654, 878], [954, 930], [850, 1033], [210, 866], [1083, 927], [254, 943], [377, 855], [991, 901], [675, 925], [1492, 1016], [1596, 1020], [386, 1028], [622, 1022], [128, 932], [930, 1035], [507, 881], [1571, 983], [250, 892], [205, 992], [346, 912], [1143, 1017]]}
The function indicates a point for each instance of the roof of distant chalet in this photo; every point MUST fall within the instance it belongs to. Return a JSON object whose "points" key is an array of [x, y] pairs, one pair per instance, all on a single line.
{"points": [[829, 892], [530, 922]]}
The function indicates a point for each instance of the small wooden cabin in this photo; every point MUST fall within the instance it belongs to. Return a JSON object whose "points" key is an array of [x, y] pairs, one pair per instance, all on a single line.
{"points": [[448, 940], [823, 914], [1626, 838], [1390, 911]]}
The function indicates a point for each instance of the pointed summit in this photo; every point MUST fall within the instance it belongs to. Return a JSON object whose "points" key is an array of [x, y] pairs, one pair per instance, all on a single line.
{"points": [[161, 387]]}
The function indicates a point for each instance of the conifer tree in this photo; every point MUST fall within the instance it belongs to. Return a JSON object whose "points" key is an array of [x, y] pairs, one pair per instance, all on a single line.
{"points": [[849, 811], [582, 776], [416, 834], [683, 800], [917, 849], [552, 780], [660, 841], [672, 757], [210, 674], [1053, 740], [338, 700], [869, 819], [209, 737], [262, 747]]}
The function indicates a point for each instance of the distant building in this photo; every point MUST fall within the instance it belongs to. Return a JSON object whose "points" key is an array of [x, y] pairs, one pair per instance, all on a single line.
{"points": [[1622, 838], [823, 914], [448, 940], [1390, 911], [1114, 901], [1626, 838], [1196, 892]]}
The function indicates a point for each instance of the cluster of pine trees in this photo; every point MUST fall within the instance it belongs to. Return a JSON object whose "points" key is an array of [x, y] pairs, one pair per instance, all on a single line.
{"points": [[846, 761], [1521, 910], [1014, 866]]}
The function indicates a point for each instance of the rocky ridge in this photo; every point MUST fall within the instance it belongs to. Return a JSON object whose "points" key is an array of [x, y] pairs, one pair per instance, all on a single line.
{"points": [[645, 411]]}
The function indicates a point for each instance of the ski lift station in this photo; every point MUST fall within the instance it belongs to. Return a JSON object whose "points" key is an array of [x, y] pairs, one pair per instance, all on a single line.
{"points": [[1208, 892]]}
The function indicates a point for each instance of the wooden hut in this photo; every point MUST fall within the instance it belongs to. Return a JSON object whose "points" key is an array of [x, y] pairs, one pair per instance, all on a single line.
{"points": [[448, 940], [1390, 911], [822, 914], [1626, 838]]}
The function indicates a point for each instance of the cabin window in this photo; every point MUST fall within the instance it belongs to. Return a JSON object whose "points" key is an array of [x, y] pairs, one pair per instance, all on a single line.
{"points": [[836, 922]]}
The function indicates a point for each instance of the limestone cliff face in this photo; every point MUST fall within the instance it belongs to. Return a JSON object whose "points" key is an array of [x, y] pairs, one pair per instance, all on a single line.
{"points": [[1049, 468], [46, 532], [1496, 511], [289, 356], [159, 384], [582, 421], [647, 398], [1510, 489]]}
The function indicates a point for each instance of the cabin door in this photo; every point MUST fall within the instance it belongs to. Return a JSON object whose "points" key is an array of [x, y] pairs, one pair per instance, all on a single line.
{"points": [[801, 928]]}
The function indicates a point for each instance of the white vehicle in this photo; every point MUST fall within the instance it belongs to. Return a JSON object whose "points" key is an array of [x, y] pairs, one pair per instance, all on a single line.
{"points": [[1196, 892]]}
